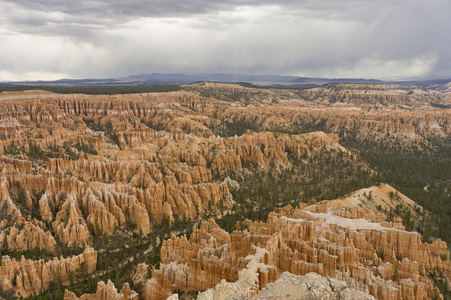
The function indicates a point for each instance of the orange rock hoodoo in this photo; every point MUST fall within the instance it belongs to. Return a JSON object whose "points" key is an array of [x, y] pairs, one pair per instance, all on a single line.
{"points": [[105, 292], [27, 276]]}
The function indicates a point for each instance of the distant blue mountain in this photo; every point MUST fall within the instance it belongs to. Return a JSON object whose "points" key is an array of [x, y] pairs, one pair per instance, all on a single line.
{"points": [[181, 78], [188, 78]]}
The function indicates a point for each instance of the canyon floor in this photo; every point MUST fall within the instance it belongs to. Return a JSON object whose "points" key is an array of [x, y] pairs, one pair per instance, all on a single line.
{"points": [[226, 191]]}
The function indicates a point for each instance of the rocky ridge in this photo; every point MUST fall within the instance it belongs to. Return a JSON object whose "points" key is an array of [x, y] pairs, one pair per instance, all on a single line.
{"points": [[290, 286], [342, 239]]}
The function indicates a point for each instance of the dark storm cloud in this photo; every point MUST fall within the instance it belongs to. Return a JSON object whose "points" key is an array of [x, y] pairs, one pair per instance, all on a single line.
{"points": [[347, 38], [156, 8], [37, 14]]}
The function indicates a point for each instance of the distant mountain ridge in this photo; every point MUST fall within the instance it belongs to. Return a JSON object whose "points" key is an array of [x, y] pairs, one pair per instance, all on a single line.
{"points": [[221, 77], [182, 78]]}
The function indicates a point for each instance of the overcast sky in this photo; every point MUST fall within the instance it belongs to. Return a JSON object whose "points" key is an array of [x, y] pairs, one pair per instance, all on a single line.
{"points": [[385, 39]]}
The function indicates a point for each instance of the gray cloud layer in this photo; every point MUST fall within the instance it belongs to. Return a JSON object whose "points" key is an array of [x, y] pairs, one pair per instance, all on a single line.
{"points": [[348, 38]]}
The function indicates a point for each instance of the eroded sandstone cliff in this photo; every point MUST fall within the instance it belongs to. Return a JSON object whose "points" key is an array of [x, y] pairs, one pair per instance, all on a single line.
{"points": [[78, 170]]}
